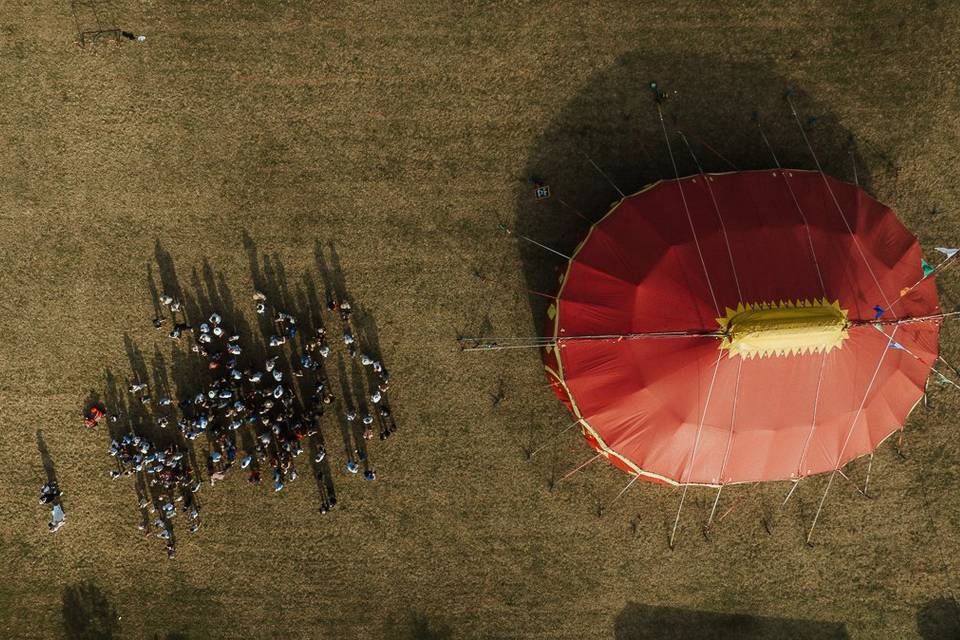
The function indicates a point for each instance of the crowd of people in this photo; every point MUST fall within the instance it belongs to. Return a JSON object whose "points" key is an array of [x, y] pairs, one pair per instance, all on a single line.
{"points": [[279, 401]]}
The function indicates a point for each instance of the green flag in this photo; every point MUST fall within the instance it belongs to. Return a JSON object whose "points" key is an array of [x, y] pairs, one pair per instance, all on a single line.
{"points": [[927, 269]]}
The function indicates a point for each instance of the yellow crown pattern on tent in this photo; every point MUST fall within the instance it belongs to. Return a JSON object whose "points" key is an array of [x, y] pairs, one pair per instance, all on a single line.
{"points": [[784, 328]]}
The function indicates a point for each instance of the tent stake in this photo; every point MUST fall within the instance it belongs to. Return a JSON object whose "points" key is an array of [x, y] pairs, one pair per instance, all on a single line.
{"points": [[554, 437], [952, 368], [853, 161], [624, 490], [482, 278], [789, 493], [509, 232], [730, 509], [866, 483], [600, 171], [847, 478], [676, 521], [820, 507], [768, 523], [570, 473], [576, 211], [714, 509]]}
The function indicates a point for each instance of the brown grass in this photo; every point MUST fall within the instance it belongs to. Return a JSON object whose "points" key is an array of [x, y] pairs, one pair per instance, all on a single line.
{"points": [[403, 132]]}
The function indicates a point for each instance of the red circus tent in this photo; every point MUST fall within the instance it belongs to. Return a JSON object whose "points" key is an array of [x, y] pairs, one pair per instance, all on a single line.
{"points": [[724, 328]]}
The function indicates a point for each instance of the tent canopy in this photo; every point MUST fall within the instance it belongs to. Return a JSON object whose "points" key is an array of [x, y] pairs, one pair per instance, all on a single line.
{"points": [[792, 286]]}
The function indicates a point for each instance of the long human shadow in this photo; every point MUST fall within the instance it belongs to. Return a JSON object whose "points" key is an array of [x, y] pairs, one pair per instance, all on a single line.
{"points": [[88, 613], [303, 301], [49, 469], [331, 271], [117, 403], [642, 622], [613, 123]]}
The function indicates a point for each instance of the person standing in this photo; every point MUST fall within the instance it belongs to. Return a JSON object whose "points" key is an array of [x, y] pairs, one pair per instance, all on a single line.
{"points": [[57, 518]]}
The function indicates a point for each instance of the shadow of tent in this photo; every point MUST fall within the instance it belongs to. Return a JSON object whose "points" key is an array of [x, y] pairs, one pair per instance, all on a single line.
{"points": [[87, 613], [939, 619], [613, 122], [415, 625], [642, 622]]}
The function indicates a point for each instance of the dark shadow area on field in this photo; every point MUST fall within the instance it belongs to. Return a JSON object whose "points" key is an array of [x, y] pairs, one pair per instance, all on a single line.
{"points": [[331, 271], [87, 613], [415, 625], [643, 622], [613, 122], [939, 619], [173, 635], [48, 467]]}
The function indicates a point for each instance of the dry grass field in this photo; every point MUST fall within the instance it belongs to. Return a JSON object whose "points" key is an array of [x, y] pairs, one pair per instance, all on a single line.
{"points": [[293, 145]]}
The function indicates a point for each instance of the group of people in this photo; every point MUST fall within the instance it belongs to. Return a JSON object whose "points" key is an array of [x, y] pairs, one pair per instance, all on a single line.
{"points": [[381, 379], [170, 480], [281, 399]]}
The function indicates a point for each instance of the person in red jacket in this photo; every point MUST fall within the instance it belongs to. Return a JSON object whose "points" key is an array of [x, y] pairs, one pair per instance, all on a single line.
{"points": [[92, 416]]}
